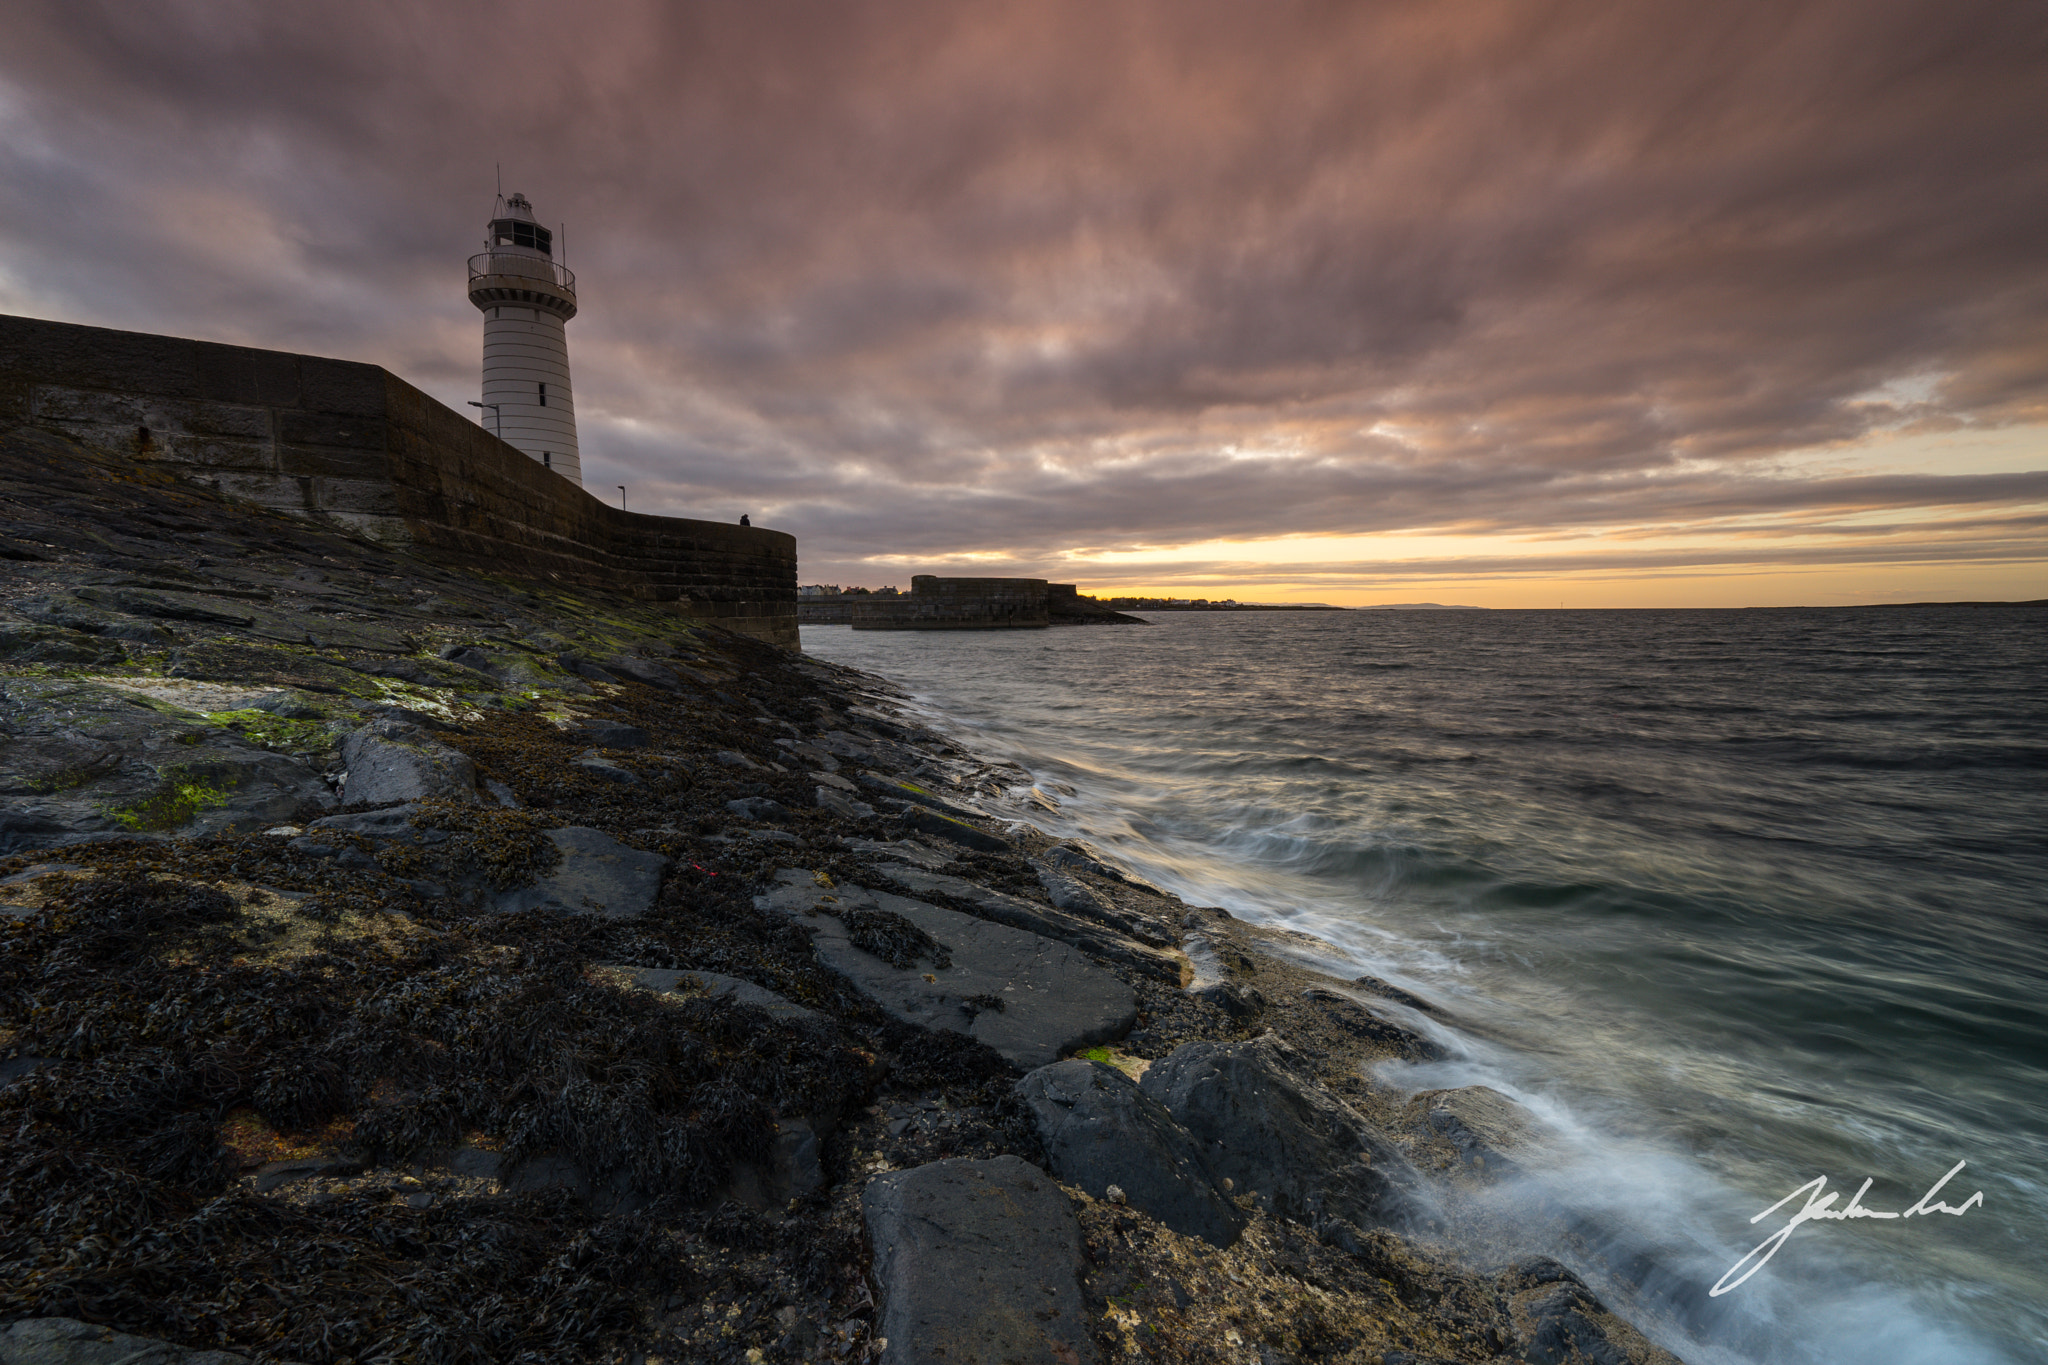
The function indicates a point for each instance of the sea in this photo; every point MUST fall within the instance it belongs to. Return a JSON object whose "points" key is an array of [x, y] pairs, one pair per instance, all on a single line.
{"points": [[1731, 900]]}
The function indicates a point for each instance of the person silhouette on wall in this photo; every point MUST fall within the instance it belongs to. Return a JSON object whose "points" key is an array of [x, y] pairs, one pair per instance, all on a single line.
{"points": [[746, 520]]}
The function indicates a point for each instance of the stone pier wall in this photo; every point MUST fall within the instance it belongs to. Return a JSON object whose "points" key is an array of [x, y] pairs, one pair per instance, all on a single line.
{"points": [[354, 444]]}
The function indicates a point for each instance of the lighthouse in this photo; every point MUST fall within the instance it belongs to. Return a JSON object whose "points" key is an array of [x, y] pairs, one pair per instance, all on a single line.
{"points": [[527, 299]]}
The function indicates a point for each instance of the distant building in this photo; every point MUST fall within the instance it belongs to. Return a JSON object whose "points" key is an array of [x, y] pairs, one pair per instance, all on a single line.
{"points": [[935, 603]]}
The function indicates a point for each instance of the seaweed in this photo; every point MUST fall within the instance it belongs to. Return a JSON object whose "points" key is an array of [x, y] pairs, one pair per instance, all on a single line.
{"points": [[401, 1047], [889, 936]]}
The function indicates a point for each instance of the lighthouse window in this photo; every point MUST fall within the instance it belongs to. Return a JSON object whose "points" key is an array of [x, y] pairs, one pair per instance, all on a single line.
{"points": [[547, 459], [513, 232], [543, 395]]}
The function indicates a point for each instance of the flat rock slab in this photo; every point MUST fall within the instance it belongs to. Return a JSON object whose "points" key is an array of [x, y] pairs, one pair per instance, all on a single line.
{"points": [[909, 850], [1099, 1130], [81, 761], [598, 875], [1034, 918], [1054, 999], [666, 981], [925, 820], [66, 1341], [979, 1264], [392, 761]]}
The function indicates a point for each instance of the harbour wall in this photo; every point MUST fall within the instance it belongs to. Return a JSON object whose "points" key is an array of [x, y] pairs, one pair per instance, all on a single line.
{"points": [[935, 603], [353, 444]]}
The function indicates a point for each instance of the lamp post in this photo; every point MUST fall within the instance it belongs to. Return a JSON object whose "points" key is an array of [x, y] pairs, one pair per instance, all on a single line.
{"points": [[622, 497], [497, 422]]}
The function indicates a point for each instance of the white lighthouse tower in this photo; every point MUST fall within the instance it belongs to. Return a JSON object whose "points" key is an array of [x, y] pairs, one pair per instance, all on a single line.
{"points": [[527, 300]]}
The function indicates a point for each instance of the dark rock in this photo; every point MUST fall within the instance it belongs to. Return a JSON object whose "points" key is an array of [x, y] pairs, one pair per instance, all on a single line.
{"points": [[1099, 1129], [732, 759], [1358, 1020], [393, 761], [272, 1174], [419, 672], [1483, 1124], [181, 608], [513, 670], [626, 668], [977, 1261], [910, 851], [1560, 1328], [1395, 993], [598, 875], [665, 980], [24, 643], [254, 665], [86, 762], [1234, 998], [842, 805], [593, 765], [928, 821], [760, 808], [63, 610], [16, 1068], [1054, 999], [795, 1167], [1033, 918], [287, 706], [407, 716], [608, 734], [1273, 1130], [1212, 982], [314, 847], [898, 790], [1068, 893], [66, 1341], [391, 823]]}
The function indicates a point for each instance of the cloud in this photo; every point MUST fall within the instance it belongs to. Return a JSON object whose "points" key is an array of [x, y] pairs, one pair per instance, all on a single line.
{"points": [[939, 278]]}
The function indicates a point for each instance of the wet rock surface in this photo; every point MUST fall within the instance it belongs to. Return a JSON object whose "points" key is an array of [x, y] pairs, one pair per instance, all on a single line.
{"points": [[1100, 1130], [538, 1055], [977, 1261], [1283, 1139], [596, 875], [66, 1341], [1028, 998]]}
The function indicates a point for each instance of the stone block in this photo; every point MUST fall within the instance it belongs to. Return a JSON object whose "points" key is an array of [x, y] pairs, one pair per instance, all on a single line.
{"points": [[977, 1261], [1099, 1129]]}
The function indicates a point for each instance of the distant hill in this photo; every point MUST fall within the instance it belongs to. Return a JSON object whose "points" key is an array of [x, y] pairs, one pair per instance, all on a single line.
{"points": [[1416, 606]]}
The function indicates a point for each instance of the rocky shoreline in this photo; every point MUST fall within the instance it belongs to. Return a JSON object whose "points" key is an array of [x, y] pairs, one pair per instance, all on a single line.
{"points": [[400, 963]]}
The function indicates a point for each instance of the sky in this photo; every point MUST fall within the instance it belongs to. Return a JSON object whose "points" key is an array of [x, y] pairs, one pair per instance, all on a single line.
{"points": [[1512, 303]]}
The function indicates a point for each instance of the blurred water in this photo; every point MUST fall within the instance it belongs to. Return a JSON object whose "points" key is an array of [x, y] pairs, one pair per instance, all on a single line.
{"points": [[1735, 898]]}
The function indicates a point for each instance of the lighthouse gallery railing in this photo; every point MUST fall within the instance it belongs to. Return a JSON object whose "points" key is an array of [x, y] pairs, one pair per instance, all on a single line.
{"points": [[529, 267]]}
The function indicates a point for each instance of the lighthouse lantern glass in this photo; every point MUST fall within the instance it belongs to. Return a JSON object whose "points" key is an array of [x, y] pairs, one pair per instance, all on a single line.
{"points": [[513, 232]]}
